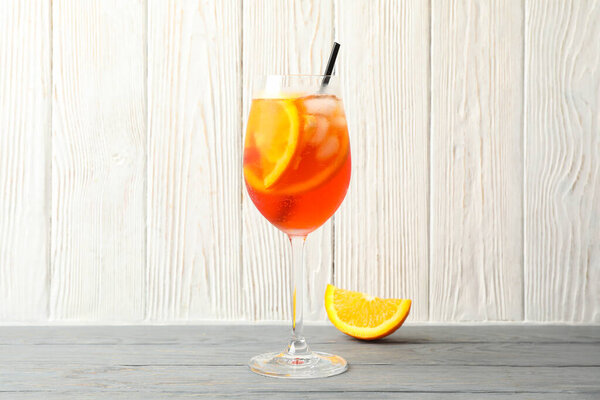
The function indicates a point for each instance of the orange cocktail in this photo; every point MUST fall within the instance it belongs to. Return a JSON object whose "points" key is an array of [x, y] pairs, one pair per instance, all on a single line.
{"points": [[297, 159], [297, 171]]}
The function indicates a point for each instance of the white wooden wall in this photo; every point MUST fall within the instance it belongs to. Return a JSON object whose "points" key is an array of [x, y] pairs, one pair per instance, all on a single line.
{"points": [[475, 132]]}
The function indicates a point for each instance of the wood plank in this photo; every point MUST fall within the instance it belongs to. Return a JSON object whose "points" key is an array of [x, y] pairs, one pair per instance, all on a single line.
{"points": [[476, 165], [182, 361], [239, 379], [292, 37], [98, 160], [562, 161], [391, 353], [242, 335], [35, 395], [25, 80], [381, 230], [194, 161]]}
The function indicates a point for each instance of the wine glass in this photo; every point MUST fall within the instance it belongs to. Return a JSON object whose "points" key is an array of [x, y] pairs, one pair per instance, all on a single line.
{"points": [[297, 171]]}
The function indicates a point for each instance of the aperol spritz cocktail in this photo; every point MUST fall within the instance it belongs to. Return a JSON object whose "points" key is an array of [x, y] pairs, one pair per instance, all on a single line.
{"points": [[297, 171], [297, 159]]}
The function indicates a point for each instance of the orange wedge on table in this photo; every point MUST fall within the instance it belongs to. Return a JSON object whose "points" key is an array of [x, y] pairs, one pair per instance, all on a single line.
{"points": [[362, 316], [273, 133]]}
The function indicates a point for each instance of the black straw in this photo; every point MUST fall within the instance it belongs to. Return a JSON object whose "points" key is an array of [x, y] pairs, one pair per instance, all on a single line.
{"points": [[330, 65]]}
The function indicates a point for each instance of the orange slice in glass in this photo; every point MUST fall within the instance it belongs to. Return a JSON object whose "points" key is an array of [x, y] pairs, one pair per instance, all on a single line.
{"points": [[362, 316], [273, 133]]}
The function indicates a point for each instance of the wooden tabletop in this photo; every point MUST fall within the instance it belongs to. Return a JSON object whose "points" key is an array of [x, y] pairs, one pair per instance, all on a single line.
{"points": [[417, 362]]}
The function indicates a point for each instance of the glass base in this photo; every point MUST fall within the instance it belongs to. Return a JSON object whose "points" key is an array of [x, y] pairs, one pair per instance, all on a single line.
{"points": [[307, 366]]}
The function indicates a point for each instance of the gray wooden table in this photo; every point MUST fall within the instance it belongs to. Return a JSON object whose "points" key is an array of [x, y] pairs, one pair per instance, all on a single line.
{"points": [[417, 362]]}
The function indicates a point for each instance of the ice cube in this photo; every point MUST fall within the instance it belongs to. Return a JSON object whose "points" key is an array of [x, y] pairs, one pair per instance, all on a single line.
{"points": [[321, 128], [329, 148], [340, 122], [322, 105]]}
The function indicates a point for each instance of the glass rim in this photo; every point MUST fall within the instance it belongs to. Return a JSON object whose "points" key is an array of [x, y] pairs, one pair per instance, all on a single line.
{"points": [[274, 85]]}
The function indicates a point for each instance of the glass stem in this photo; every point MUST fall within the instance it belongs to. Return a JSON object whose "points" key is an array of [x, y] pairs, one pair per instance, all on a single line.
{"points": [[297, 345]]}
